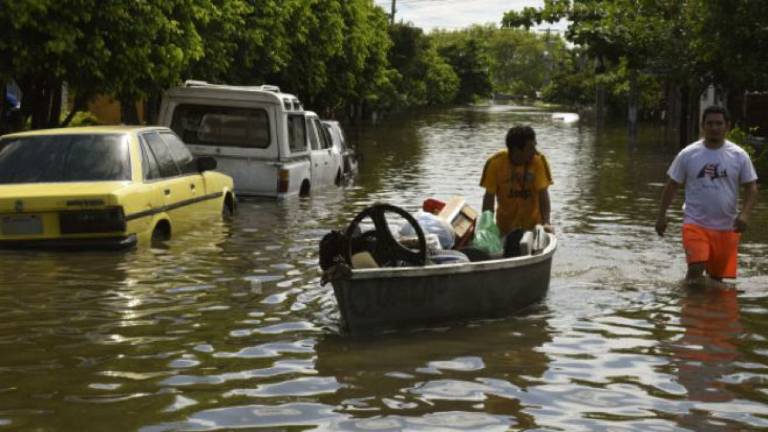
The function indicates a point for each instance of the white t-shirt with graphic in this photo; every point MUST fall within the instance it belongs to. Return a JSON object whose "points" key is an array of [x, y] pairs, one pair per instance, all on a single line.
{"points": [[712, 179]]}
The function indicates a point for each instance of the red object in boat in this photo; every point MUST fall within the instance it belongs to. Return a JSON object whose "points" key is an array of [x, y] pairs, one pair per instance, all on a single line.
{"points": [[431, 205]]}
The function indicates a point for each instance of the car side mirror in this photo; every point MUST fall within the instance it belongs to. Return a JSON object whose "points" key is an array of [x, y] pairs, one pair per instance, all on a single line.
{"points": [[206, 163]]}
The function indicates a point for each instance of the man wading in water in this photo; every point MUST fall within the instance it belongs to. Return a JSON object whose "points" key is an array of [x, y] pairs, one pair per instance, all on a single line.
{"points": [[518, 178], [711, 170]]}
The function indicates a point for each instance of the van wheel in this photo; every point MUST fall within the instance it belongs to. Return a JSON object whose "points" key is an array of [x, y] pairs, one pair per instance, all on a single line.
{"points": [[161, 233], [305, 187], [228, 210]]}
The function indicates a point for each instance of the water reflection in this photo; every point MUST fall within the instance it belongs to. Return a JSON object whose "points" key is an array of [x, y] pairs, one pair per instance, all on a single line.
{"points": [[404, 377], [705, 354]]}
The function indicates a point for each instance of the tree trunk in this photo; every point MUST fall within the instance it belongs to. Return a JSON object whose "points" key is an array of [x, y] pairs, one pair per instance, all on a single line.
{"points": [[152, 108], [129, 115], [632, 107], [4, 119], [600, 106], [55, 112], [41, 104], [684, 103], [78, 105]]}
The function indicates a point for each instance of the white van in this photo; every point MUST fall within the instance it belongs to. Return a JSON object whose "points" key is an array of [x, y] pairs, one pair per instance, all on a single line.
{"points": [[260, 136]]}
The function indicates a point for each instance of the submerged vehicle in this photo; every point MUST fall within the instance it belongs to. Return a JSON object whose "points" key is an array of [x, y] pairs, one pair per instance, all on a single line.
{"points": [[105, 187], [262, 137]]}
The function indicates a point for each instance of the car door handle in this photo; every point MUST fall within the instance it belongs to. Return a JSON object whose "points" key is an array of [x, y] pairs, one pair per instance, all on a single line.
{"points": [[167, 191], [192, 186]]}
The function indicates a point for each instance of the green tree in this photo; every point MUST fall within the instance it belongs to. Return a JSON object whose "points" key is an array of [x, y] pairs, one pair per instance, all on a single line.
{"points": [[122, 48], [420, 69], [358, 73], [467, 53], [522, 62]]}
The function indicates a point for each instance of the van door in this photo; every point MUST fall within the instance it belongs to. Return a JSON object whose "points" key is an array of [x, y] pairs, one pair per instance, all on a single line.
{"points": [[323, 171], [242, 139]]}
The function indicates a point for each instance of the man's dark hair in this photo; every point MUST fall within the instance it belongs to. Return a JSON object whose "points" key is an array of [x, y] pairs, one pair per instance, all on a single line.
{"points": [[519, 135], [714, 109]]}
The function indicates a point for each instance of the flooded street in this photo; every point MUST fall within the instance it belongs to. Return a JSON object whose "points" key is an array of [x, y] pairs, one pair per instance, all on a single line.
{"points": [[228, 327]]}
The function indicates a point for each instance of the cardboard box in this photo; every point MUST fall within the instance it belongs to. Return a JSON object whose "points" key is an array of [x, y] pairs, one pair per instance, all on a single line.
{"points": [[462, 217]]}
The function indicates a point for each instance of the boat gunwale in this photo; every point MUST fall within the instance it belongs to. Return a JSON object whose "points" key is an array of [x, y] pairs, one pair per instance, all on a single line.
{"points": [[457, 268]]}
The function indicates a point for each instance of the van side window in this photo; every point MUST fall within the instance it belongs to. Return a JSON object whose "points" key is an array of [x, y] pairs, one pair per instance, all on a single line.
{"points": [[297, 133], [148, 163], [313, 135], [180, 153], [325, 136], [165, 162], [222, 126]]}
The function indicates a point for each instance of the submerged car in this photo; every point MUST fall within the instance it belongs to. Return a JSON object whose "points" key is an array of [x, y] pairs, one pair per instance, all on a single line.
{"points": [[262, 137], [348, 153], [106, 186]]}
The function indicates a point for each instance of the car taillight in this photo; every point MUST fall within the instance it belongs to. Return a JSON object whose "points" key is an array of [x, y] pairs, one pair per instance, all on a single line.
{"points": [[283, 180], [92, 221]]}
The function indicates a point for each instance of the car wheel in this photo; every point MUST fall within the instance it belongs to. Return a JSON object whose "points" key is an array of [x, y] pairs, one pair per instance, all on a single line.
{"points": [[161, 233], [305, 188], [227, 210]]}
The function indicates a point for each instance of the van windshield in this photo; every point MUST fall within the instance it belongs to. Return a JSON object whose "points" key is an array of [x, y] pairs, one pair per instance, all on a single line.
{"points": [[64, 158], [222, 126]]}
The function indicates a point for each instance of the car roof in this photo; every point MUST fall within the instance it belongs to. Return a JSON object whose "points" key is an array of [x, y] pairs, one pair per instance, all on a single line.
{"points": [[117, 129]]}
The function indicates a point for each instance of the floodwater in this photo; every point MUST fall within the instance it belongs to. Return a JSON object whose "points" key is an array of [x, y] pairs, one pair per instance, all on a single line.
{"points": [[228, 328]]}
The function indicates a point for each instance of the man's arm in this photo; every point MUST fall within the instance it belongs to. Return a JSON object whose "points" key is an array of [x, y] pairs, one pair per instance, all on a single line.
{"points": [[670, 190], [489, 201], [750, 196], [545, 210]]}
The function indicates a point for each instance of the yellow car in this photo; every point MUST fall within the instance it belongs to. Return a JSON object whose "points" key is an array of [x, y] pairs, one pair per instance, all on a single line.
{"points": [[106, 186]]}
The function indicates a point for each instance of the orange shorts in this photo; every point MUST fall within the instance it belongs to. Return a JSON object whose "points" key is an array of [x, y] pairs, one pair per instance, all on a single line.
{"points": [[718, 249]]}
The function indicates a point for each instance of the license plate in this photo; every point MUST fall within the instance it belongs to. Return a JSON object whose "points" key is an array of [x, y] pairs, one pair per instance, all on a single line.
{"points": [[21, 225]]}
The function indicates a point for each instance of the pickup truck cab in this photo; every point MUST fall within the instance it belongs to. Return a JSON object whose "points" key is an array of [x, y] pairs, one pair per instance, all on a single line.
{"points": [[261, 137]]}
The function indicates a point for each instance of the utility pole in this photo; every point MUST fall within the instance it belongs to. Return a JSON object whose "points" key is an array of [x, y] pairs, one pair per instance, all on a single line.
{"points": [[392, 15]]}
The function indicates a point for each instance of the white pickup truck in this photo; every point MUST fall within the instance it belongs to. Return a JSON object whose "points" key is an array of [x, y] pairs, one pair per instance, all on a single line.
{"points": [[260, 136]]}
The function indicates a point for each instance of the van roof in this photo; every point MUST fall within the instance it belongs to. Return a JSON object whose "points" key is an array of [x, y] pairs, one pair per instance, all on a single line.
{"points": [[265, 92]]}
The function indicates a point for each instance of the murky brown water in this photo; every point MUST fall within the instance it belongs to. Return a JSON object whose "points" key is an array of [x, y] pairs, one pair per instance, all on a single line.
{"points": [[229, 328]]}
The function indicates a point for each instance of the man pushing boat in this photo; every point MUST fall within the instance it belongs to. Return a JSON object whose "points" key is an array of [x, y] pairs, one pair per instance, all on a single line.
{"points": [[518, 178]]}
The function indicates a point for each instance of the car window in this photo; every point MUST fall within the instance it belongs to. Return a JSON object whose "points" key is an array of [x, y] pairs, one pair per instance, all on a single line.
{"points": [[180, 153], [332, 134], [222, 126], [297, 133], [165, 162], [313, 140], [65, 158], [325, 136], [149, 168]]}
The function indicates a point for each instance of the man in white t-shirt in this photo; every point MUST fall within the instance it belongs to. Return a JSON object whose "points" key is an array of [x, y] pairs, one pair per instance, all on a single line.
{"points": [[712, 169]]}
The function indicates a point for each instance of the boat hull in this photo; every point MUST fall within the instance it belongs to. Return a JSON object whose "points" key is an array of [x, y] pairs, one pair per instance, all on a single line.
{"points": [[405, 297]]}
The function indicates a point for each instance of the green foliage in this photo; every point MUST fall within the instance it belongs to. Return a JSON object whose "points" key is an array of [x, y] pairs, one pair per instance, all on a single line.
{"points": [[467, 53], [423, 76], [571, 83], [665, 42], [83, 118], [759, 158]]}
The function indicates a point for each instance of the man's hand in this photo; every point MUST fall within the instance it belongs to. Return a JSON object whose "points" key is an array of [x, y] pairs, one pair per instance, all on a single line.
{"points": [[549, 228], [661, 225], [740, 223]]}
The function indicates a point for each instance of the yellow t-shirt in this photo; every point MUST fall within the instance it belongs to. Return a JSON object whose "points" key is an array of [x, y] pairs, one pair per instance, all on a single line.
{"points": [[517, 190]]}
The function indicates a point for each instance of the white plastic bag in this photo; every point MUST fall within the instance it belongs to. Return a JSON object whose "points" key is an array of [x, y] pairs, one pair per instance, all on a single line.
{"points": [[434, 225]]}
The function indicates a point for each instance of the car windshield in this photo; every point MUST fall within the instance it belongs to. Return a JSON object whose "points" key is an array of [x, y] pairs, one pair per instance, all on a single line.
{"points": [[64, 158]]}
